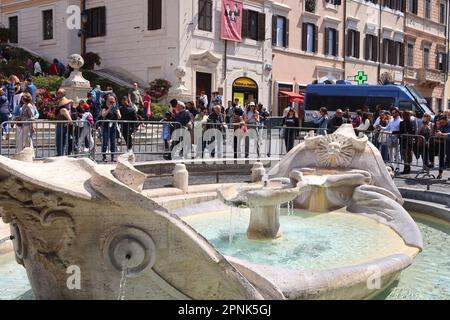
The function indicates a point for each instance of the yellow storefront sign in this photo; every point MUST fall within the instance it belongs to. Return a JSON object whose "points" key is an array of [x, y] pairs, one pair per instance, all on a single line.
{"points": [[245, 83]]}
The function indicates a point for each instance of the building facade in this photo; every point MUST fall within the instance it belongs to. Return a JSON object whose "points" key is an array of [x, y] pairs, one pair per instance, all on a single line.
{"points": [[374, 40], [426, 49], [150, 39], [286, 45], [308, 45]]}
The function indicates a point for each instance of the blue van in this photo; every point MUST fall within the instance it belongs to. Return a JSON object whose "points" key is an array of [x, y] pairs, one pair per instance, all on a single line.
{"points": [[347, 96]]}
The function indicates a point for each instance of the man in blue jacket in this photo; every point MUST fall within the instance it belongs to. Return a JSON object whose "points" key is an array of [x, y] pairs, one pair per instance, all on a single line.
{"points": [[4, 111], [31, 89]]}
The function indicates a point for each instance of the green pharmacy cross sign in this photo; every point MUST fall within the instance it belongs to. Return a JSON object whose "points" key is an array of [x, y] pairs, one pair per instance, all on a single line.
{"points": [[361, 78]]}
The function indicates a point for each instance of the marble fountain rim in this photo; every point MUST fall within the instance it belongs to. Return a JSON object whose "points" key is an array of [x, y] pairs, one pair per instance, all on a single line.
{"points": [[322, 283]]}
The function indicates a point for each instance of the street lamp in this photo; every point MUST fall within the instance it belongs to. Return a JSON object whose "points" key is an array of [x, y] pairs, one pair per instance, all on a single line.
{"points": [[82, 33]]}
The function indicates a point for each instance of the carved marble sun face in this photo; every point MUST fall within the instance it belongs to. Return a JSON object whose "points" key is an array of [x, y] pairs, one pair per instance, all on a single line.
{"points": [[335, 151]]}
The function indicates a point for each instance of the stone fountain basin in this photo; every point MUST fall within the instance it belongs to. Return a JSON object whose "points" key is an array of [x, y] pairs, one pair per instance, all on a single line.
{"points": [[273, 194], [353, 281]]}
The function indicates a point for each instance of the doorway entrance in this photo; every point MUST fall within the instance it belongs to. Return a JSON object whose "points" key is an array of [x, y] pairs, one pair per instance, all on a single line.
{"points": [[246, 90], [203, 83]]}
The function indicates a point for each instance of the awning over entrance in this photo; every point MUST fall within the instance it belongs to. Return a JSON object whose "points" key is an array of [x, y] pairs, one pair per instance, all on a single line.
{"points": [[294, 97]]}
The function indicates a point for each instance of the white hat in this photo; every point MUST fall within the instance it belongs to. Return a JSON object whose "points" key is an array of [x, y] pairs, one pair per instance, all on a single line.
{"points": [[252, 104]]}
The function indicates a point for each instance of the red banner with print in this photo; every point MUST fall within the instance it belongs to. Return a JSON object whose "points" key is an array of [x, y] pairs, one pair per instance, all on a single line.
{"points": [[231, 26]]}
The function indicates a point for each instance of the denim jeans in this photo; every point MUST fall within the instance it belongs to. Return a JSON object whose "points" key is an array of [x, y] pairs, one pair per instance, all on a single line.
{"points": [[4, 117], [109, 136], [61, 139]]}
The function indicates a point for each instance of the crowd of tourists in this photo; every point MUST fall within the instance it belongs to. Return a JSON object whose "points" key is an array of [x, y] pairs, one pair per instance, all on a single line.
{"points": [[399, 135]]}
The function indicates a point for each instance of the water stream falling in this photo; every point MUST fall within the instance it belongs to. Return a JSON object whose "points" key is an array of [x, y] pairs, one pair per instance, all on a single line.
{"points": [[291, 207], [231, 235], [123, 279]]}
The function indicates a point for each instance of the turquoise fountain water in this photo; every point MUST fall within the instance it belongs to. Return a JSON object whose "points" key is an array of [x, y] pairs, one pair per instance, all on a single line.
{"points": [[427, 279]]}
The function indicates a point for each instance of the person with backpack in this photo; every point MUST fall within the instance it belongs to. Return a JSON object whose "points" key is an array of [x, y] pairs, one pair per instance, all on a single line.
{"points": [[86, 124]]}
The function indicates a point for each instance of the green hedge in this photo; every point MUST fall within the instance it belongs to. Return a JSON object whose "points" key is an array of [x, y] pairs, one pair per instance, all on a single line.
{"points": [[51, 84], [158, 111]]}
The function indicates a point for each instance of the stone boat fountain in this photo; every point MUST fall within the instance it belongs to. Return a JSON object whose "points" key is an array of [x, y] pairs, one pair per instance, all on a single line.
{"points": [[67, 213]]}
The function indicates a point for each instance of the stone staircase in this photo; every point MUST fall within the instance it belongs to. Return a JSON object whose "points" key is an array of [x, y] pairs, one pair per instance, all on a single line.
{"points": [[121, 77]]}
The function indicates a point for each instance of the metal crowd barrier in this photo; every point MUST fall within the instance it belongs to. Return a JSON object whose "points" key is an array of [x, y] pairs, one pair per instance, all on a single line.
{"points": [[48, 138], [145, 138], [108, 139]]}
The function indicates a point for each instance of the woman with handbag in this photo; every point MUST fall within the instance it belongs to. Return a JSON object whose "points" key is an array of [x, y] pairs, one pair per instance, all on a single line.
{"points": [[24, 128]]}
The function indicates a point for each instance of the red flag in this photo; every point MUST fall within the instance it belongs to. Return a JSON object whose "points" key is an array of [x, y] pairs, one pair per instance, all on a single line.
{"points": [[231, 25]]}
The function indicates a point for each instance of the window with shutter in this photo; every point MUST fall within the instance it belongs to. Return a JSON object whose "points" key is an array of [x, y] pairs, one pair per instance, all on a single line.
{"points": [[96, 22], [13, 29], [205, 10], [281, 32], [375, 45], [316, 39], [244, 23], [286, 32], [428, 9], [274, 30], [47, 24], [304, 36], [155, 14], [336, 43], [426, 58], [357, 44], [261, 27], [410, 61], [252, 25], [327, 39]]}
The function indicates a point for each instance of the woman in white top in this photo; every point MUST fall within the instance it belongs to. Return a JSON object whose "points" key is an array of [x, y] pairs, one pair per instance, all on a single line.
{"points": [[365, 124], [37, 69]]}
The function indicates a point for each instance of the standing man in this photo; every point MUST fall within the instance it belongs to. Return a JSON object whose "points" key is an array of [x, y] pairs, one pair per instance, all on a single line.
{"points": [[217, 121], [135, 97], [337, 121], [97, 95], [204, 99], [183, 120], [31, 89], [37, 68]]}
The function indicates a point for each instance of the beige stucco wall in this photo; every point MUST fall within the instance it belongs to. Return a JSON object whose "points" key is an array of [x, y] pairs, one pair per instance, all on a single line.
{"points": [[296, 67], [365, 17]]}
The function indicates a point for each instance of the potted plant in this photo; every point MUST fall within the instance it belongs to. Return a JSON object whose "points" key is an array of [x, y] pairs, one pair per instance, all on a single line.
{"points": [[91, 59], [310, 5]]}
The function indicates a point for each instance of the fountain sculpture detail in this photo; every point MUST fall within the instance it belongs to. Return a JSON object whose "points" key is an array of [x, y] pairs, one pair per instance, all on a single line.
{"points": [[66, 212]]}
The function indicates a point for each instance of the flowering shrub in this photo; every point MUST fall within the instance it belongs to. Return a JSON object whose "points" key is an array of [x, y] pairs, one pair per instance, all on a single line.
{"points": [[159, 88], [46, 104]]}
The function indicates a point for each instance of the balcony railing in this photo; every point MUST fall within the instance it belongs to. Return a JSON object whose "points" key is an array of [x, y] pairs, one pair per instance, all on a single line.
{"points": [[410, 73], [431, 76]]}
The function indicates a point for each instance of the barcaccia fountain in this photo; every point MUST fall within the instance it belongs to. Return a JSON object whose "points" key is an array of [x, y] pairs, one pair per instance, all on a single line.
{"points": [[347, 227]]}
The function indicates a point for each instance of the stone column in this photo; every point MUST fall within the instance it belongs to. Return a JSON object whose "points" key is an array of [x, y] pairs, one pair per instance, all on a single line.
{"points": [[76, 85], [181, 178], [264, 223]]}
